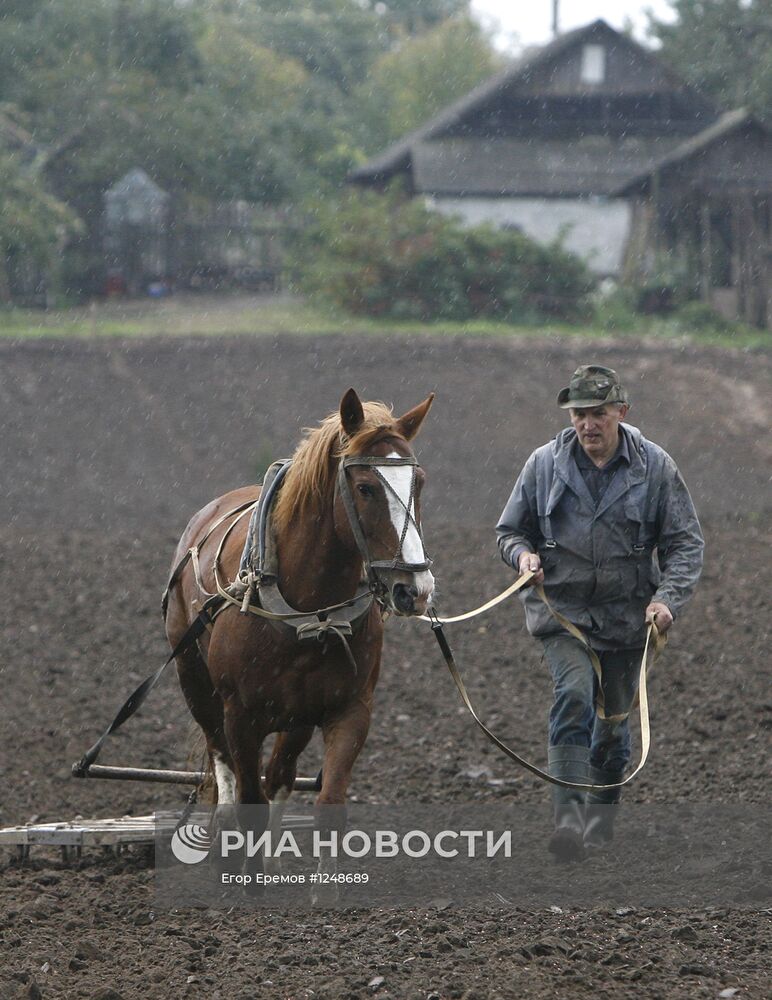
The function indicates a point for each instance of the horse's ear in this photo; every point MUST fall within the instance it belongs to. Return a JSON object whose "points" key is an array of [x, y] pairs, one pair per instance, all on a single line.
{"points": [[351, 413], [410, 423]]}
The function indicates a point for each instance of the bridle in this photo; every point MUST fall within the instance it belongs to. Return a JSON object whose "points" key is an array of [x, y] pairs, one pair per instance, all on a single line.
{"points": [[378, 587], [325, 623], [320, 624]]}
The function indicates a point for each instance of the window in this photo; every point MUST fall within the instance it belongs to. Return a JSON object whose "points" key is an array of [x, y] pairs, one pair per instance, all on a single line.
{"points": [[593, 64]]}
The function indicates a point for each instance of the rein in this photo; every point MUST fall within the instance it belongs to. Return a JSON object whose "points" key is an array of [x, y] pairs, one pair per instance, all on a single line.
{"points": [[324, 626], [653, 637]]}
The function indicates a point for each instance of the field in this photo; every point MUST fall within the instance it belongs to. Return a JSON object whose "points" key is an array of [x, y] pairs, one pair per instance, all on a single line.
{"points": [[241, 313], [108, 446]]}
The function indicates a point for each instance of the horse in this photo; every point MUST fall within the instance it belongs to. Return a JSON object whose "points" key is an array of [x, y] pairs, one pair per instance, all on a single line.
{"points": [[349, 503]]}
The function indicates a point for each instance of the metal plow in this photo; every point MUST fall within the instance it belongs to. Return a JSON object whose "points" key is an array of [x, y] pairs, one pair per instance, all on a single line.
{"points": [[117, 835], [113, 836]]}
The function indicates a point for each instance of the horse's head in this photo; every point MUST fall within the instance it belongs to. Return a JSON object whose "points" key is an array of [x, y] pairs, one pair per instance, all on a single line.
{"points": [[378, 503]]}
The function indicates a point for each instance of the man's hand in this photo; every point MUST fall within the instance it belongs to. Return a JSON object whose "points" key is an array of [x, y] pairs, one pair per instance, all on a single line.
{"points": [[660, 615], [530, 561]]}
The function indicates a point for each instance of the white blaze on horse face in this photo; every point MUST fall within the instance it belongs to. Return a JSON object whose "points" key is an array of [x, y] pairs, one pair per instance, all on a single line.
{"points": [[400, 478], [226, 782]]}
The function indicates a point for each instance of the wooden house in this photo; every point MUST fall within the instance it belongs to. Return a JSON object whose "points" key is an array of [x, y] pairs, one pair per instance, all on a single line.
{"points": [[565, 143], [708, 205]]}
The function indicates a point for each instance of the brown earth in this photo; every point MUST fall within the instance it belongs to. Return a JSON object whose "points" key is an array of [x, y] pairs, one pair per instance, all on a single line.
{"points": [[107, 448]]}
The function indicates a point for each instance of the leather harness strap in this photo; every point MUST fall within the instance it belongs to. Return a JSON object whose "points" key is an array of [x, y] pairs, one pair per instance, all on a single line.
{"points": [[200, 623], [317, 624], [652, 636], [342, 490], [600, 701], [511, 589], [192, 552]]}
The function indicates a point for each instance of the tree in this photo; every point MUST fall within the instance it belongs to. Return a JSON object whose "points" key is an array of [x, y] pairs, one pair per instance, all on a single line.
{"points": [[155, 36], [33, 224], [20, 10], [724, 48], [415, 16], [261, 100], [406, 87], [335, 40]]}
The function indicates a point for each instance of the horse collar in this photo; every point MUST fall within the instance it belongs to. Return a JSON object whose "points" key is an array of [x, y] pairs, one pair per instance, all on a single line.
{"points": [[257, 579]]}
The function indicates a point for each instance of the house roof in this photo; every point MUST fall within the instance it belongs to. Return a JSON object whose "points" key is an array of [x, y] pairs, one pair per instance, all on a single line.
{"points": [[593, 165], [136, 183], [399, 154], [729, 122]]}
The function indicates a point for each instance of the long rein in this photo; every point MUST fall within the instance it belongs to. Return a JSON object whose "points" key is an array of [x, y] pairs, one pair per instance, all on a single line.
{"points": [[215, 603], [653, 638]]}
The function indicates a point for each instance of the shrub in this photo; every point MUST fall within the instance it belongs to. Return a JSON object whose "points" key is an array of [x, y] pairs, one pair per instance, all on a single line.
{"points": [[699, 317], [380, 254], [614, 310]]}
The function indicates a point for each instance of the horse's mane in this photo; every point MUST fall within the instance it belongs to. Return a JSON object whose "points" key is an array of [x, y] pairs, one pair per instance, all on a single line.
{"points": [[311, 476]]}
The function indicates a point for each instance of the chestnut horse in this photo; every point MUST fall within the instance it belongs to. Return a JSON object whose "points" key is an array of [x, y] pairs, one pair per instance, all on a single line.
{"points": [[246, 679]]}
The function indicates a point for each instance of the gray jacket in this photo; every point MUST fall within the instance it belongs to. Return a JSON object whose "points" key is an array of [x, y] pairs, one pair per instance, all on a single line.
{"points": [[599, 566]]}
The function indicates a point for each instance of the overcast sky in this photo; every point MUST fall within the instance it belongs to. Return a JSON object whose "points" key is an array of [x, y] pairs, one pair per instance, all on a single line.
{"points": [[528, 22]]}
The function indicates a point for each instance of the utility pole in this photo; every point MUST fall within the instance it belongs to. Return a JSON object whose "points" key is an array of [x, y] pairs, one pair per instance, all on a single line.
{"points": [[555, 19]]}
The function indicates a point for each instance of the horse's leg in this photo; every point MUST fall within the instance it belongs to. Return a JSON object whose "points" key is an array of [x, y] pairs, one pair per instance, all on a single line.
{"points": [[280, 781], [245, 736], [206, 707], [344, 738]]}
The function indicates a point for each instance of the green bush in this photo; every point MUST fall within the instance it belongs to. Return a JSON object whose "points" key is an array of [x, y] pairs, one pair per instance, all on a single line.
{"points": [[615, 311], [699, 317], [380, 254]]}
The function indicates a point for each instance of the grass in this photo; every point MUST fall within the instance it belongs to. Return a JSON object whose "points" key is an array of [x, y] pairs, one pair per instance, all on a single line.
{"points": [[253, 315]]}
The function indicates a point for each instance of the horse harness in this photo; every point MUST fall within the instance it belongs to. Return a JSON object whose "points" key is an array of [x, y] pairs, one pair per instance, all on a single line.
{"points": [[256, 587], [255, 591], [257, 580]]}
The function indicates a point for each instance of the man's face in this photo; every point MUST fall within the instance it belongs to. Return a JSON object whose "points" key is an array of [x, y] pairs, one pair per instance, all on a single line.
{"points": [[597, 428]]}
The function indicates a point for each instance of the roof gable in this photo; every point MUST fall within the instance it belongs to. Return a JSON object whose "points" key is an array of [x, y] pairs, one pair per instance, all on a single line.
{"points": [[557, 70], [554, 71]]}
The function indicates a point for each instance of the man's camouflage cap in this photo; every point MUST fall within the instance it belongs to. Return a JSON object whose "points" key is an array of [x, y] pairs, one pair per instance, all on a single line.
{"points": [[592, 385]]}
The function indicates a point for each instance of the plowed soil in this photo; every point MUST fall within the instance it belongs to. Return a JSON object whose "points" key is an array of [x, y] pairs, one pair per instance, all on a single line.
{"points": [[108, 447]]}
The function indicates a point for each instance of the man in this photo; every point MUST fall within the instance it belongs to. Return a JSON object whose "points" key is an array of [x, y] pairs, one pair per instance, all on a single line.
{"points": [[587, 514]]}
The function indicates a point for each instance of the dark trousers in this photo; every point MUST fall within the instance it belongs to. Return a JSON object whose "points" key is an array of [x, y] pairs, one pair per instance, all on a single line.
{"points": [[573, 720]]}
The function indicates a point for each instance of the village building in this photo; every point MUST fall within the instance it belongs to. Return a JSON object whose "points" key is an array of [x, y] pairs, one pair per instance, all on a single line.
{"points": [[153, 244], [594, 141]]}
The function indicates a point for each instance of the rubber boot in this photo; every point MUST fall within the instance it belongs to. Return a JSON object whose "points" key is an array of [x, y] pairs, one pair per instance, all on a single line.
{"points": [[571, 763], [601, 810]]}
